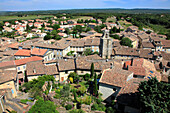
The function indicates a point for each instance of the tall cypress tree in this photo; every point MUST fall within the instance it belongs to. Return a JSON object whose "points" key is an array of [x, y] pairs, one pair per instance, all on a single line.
{"points": [[95, 88], [92, 70]]}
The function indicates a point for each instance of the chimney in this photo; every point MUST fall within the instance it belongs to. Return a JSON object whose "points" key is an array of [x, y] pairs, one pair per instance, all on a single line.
{"points": [[111, 65], [34, 71]]}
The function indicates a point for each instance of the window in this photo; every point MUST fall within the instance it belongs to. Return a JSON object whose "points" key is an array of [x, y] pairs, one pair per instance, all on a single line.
{"points": [[114, 89], [18, 68], [66, 72], [81, 71], [60, 53], [24, 67]]}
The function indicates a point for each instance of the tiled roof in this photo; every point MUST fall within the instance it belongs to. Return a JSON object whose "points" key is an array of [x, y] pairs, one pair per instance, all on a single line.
{"points": [[137, 70], [125, 51], [166, 43], [91, 42], [127, 95], [9, 53], [35, 68], [39, 52], [65, 64], [115, 76], [51, 70], [78, 43], [23, 52], [147, 45], [145, 53], [7, 64], [14, 45], [26, 60], [7, 75]]}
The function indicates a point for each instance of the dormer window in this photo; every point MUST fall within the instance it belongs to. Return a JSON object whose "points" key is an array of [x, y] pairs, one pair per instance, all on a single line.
{"points": [[34, 71]]}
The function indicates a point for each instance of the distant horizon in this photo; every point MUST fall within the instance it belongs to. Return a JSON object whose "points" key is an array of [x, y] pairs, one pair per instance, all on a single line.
{"points": [[89, 8], [38, 5]]}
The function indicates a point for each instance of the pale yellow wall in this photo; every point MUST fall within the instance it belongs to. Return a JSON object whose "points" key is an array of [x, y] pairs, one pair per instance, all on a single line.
{"points": [[32, 77], [49, 56], [120, 57], [21, 68], [66, 50], [11, 85], [63, 74], [79, 72], [135, 44]]}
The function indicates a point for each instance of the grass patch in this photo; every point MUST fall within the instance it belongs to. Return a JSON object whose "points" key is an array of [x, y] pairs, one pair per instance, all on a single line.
{"points": [[24, 101], [75, 18], [159, 28], [111, 19], [6, 18]]}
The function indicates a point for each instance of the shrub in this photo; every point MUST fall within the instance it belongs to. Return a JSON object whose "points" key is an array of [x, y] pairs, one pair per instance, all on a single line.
{"points": [[24, 101], [87, 100], [71, 79], [76, 111], [86, 76], [99, 107], [68, 107], [57, 96], [82, 89], [110, 110], [94, 107]]}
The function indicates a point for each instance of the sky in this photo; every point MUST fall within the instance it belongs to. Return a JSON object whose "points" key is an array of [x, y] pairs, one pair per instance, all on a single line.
{"points": [[29, 5]]}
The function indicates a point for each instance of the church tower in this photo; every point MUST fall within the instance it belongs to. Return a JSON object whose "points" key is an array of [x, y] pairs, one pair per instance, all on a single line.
{"points": [[106, 45]]}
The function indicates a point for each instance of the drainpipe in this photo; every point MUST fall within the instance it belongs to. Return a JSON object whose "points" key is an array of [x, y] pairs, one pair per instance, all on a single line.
{"points": [[1, 103]]}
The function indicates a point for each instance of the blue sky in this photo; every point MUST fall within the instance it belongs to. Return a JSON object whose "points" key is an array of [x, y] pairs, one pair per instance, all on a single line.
{"points": [[27, 5]]}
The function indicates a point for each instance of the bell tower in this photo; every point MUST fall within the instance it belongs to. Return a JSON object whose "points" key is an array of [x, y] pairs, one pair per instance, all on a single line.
{"points": [[106, 45]]}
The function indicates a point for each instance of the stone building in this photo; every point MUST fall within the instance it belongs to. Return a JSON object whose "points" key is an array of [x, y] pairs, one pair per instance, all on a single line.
{"points": [[106, 45]]}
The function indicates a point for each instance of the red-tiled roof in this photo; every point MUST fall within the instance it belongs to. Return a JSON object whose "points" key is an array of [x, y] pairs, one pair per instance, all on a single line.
{"points": [[115, 76], [26, 60], [23, 52], [137, 70], [7, 64], [13, 45], [37, 51], [127, 63]]}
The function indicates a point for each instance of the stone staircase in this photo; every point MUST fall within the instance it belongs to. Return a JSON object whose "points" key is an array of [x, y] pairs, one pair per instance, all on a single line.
{"points": [[13, 103]]}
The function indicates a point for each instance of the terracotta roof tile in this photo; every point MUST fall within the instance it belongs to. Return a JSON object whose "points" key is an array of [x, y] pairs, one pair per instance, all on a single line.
{"points": [[23, 52], [115, 76], [39, 52], [26, 60]]}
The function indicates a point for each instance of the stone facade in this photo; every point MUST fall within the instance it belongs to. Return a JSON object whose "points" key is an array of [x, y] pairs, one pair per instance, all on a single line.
{"points": [[106, 45]]}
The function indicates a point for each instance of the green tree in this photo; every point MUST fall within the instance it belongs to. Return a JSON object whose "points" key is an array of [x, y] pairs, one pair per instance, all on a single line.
{"points": [[95, 87], [92, 70], [67, 31], [47, 37], [56, 26], [42, 106], [88, 51], [154, 96], [43, 25], [65, 92], [26, 78], [126, 42], [75, 95], [28, 28], [116, 36]]}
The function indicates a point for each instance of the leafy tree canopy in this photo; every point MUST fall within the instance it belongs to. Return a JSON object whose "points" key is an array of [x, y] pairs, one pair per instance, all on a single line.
{"points": [[42, 106], [154, 96], [126, 42]]}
